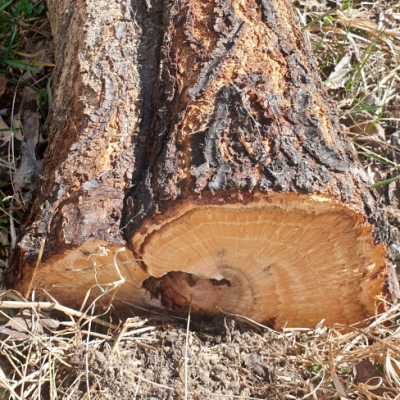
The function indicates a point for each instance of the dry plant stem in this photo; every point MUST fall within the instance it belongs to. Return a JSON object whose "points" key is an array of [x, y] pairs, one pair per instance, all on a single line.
{"points": [[148, 310], [137, 388], [36, 269], [316, 388], [33, 278], [108, 337], [12, 294], [27, 358], [16, 369], [335, 378], [6, 385], [37, 338], [146, 380], [257, 323], [30, 378], [129, 323], [94, 334], [380, 320], [186, 349], [87, 356], [385, 316], [138, 331], [76, 381]]}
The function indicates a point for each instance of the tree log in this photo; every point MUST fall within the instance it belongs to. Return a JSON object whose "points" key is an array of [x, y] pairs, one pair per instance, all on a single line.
{"points": [[198, 134]]}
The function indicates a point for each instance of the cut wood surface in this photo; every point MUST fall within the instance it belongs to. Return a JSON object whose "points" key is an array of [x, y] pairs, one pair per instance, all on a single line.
{"points": [[197, 133]]}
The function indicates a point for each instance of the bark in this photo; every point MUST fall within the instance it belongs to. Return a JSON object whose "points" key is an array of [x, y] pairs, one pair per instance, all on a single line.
{"points": [[240, 190], [95, 144]]}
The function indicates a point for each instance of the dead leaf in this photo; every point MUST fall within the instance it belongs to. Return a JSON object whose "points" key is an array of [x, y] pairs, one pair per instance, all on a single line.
{"points": [[338, 77], [367, 377], [42, 51], [12, 334], [6, 135], [18, 326], [25, 176], [3, 84], [18, 128], [365, 132]]}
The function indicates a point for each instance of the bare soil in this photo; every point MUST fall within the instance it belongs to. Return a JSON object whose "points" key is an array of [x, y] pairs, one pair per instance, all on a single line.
{"points": [[224, 361]]}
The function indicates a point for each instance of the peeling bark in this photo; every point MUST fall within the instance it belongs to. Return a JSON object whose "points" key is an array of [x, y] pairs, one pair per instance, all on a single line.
{"points": [[205, 118]]}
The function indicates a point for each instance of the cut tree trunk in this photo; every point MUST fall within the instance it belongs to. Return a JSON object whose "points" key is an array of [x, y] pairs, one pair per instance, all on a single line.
{"points": [[197, 135]]}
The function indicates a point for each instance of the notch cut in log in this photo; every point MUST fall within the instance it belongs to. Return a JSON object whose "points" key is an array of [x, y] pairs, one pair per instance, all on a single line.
{"points": [[203, 140]]}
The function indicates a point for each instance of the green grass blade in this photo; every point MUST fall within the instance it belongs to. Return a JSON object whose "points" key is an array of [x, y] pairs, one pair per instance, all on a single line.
{"points": [[9, 48], [49, 93], [5, 5], [21, 66], [386, 182], [318, 19], [378, 159], [320, 43]]}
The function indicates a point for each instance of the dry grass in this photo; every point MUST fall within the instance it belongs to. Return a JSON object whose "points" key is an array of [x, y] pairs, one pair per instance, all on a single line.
{"points": [[318, 363], [357, 45]]}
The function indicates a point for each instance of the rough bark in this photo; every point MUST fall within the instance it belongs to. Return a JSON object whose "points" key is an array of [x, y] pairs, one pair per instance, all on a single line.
{"points": [[91, 155], [94, 144], [242, 109], [208, 118]]}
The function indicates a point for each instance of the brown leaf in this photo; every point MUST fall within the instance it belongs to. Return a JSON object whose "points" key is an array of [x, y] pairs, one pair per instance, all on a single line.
{"points": [[18, 326], [12, 334], [3, 83], [373, 135], [366, 373]]}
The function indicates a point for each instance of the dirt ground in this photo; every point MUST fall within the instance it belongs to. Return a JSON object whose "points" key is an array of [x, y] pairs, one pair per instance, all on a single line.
{"points": [[226, 359]]}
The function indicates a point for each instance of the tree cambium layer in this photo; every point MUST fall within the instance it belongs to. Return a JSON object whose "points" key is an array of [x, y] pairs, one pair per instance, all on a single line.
{"points": [[197, 135]]}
